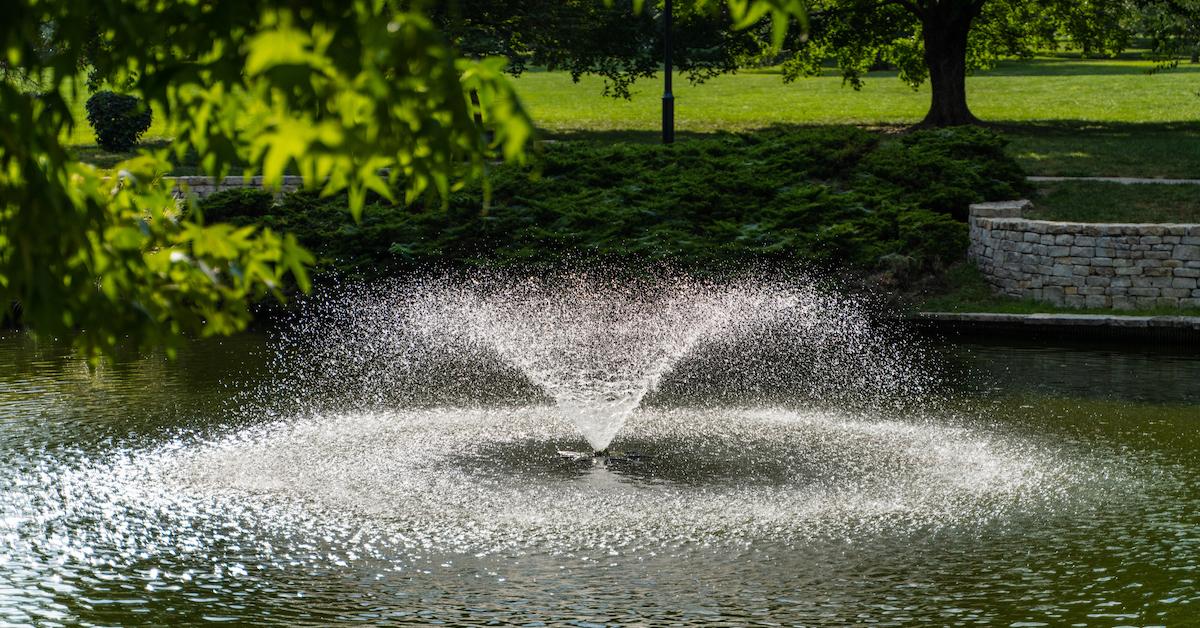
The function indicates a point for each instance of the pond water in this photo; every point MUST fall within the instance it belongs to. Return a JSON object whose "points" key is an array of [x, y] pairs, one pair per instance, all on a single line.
{"points": [[1053, 485]]}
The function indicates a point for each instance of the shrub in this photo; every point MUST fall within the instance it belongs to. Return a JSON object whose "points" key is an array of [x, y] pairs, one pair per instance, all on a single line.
{"points": [[945, 170], [118, 120], [230, 205], [838, 198]]}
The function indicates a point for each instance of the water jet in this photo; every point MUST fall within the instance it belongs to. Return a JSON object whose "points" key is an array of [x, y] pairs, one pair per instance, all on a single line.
{"points": [[577, 449]]}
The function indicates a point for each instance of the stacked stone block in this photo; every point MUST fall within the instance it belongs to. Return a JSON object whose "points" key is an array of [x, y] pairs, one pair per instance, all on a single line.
{"points": [[203, 186], [1094, 265]]}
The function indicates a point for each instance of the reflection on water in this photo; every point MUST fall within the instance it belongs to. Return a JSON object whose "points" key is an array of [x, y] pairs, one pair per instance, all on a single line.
{"points": [[165, 493], [1153, 373]]}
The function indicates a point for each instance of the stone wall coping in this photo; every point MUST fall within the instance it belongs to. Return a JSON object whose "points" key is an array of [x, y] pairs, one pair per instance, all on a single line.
{"points": [[1000, 209], [1068, 320], [1122, 225], [286, 182], [1010, 215], [233, 181]]}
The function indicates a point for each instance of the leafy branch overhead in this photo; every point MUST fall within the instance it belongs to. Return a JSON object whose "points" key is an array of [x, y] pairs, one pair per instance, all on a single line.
{"points": [[620, 40], [359, 96]]}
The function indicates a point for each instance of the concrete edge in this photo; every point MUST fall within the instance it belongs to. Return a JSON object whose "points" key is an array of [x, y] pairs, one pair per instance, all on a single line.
{"points": [[1067, 320], [1051, 327]]}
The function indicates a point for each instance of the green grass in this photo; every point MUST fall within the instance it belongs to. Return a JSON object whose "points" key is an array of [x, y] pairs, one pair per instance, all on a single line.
{"points": [[966, 291], [1108, 149], [1064, 116], [1016, 91], [1092, 201], [188, 166]]}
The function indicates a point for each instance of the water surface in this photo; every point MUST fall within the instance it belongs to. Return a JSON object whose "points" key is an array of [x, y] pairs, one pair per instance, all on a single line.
{"points": [[1057, 487]]}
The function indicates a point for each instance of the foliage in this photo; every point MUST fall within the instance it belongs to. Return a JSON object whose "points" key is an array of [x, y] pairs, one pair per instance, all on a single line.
{"points": [[814, 196], [947, 170], [858, 36], [338, 91], [941, 40], [359, 96], [616, 40], [129, 266], [118, 120], [1173, 27], [236, 203]]}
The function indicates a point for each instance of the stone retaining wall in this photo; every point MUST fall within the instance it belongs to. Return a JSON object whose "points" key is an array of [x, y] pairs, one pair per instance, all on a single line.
{"points": [[1096, 265], [203, 186]]}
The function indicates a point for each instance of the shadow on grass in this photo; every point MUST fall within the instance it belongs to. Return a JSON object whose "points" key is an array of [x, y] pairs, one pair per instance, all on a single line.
{"points": [[1091, 128], [1079, 148], [635, 136], [644, 136], [1083, 67], [189, 165], [103, 159], [1100, 201], [1044, 147]]}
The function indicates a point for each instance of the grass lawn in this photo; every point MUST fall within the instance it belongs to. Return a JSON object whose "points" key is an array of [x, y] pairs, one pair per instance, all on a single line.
{"points": [[1064, 116], [1094, 201], [1035, 90], [1108, 149]]}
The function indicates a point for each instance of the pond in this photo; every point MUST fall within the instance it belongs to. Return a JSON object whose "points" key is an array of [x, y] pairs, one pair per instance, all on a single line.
{"points": [[1051, 485]]}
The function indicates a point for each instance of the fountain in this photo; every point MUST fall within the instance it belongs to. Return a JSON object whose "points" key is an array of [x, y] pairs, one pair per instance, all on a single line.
{"points": [[597, 346], [573, 447]]}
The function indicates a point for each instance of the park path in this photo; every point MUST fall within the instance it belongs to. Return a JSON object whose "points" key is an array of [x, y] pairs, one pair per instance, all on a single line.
{"points": [[1124, 180]]}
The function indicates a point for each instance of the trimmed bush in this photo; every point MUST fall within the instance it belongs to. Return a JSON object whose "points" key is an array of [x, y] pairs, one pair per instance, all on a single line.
{"points": [[118, 120]]}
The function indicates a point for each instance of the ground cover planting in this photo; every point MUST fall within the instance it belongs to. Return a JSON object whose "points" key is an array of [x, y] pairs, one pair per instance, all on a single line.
{"points": [[836, 197]]}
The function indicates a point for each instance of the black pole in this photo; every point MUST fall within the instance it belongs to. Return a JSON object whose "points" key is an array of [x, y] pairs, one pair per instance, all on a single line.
{"points": [[668, 103]]}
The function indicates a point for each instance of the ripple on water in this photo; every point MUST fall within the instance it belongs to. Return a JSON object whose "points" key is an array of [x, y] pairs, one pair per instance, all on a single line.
{"points": [[488, 480], [733, 512], [331, 503]]}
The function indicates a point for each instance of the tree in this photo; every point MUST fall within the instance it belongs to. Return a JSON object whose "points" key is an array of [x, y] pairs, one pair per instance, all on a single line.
{"points": [[1173, 27], [942, 40], [618, 40], [354, 95]]}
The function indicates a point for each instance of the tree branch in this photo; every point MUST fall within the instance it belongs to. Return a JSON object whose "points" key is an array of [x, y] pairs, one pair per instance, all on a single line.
{"points": [[908, 5]]}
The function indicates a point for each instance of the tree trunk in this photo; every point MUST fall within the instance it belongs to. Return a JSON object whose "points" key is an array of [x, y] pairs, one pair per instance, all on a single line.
{"points": [[945, 26], [477, 109]]}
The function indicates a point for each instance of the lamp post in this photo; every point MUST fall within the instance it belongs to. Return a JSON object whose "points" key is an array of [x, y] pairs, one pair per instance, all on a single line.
{"points": [[668, 101]]}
